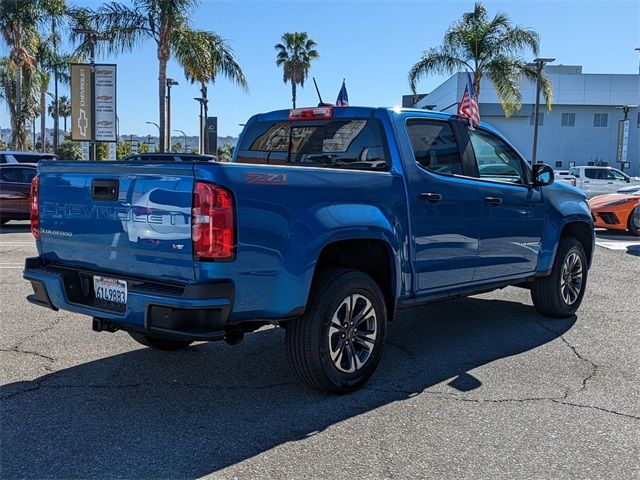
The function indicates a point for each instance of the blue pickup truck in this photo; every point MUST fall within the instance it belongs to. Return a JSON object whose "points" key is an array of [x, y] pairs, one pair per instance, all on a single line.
{"points": [[327, 222]]}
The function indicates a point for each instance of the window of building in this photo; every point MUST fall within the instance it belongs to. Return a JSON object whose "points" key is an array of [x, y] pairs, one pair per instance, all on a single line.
{"points": [[568, 120], [558, 163], [434, 146], [540, 118], [638, 125], [600, 119]]}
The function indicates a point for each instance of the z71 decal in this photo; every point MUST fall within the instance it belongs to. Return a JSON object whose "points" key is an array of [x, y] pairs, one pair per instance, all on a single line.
{"points": [[266, 178]]}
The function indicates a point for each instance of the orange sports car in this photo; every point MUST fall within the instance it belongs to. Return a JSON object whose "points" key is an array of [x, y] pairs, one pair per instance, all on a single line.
{"points": [[617, 211]]}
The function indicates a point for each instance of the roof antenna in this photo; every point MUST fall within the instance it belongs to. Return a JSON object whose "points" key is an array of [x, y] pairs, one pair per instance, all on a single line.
{"points": [[321, 104]]}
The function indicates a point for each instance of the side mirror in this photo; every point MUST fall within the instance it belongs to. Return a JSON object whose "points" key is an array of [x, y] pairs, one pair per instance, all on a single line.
{"points": [[628, 179], [542, 175]]}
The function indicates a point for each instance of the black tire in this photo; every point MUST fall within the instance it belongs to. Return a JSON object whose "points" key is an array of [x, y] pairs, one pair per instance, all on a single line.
{"points": [[633, 228], [159, 343], [555, 295], [312, 339], [3, 221]]}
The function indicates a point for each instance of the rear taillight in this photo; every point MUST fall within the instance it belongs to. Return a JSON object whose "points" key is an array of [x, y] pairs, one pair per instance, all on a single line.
{"points": [[316, 113], [213, 228], [35, 211], [573, 182]]}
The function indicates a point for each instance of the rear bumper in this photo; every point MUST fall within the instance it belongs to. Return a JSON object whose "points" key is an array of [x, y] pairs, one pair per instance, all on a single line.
{"points": [[187, 312]]}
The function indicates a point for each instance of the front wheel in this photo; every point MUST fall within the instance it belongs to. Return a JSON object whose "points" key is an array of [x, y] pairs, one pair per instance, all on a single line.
{"points": [[336, 346], [633, 223], [560, 294], [159, 343]]}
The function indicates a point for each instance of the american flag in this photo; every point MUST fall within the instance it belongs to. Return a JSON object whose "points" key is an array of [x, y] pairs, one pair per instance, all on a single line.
{"points": [[343, 98], [469, 104]]}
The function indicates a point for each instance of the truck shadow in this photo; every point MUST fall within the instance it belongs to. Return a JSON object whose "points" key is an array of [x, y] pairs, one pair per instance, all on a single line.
{"points": [[148, 414]]}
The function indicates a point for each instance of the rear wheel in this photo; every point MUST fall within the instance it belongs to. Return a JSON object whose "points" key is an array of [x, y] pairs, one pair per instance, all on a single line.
{"points": [[560, 294], [633, 224], [159, 343], [336, 346]]}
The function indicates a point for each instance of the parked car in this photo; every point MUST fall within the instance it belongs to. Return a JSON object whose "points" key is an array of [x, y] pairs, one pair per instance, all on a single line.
{"points": [[24, 157], [327, 222], [169, 157], [15, 184], [565, 177], [630, 189], [600, 180], [616, 211]]}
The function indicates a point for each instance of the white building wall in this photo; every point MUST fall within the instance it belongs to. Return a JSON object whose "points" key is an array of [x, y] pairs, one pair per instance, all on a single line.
{"points": [[574, 92]]}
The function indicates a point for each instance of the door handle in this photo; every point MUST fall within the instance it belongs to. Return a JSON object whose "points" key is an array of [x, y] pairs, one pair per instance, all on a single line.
{"points": [[609, 183], [495, 201], [430, 196]]}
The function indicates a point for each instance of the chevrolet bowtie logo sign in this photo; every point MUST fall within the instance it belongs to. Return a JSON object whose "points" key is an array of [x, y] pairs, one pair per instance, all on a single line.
{"points": [[83, 123]]}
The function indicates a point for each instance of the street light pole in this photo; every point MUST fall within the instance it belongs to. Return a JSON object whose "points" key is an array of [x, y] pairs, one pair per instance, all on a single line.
{"points": [[203, 103], [184, 145], [539, 64], [149, 136], [170, 82]]}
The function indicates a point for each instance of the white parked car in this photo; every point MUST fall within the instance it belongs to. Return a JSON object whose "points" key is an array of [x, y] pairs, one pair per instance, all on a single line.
{"points": [[600, 180], [563, 176]]}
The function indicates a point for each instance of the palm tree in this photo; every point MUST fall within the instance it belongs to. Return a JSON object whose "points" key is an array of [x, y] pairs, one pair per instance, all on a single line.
{"points": [[204, 56], [295, 54], [29, 102], [167, 23], [18, 29], [64, 109], [485, 48]]}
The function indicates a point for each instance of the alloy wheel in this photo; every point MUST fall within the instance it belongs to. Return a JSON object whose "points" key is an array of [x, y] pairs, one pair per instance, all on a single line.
{"points": [[352, 333]]}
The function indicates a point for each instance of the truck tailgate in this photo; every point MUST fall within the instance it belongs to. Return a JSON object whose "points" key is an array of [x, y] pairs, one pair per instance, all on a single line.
{"points": [[118, 217]]}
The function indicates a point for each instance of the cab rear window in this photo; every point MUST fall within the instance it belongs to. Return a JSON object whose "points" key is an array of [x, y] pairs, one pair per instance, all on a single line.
{"points": [[351, 144]]}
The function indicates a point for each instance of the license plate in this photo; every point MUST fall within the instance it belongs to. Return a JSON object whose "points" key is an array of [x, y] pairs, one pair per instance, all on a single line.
{"points": [[110, 290]]}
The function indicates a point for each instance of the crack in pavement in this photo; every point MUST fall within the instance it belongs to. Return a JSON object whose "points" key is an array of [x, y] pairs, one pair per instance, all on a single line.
{"points": [[27, 352], [593, 365], [481, 401], [41, 385]]}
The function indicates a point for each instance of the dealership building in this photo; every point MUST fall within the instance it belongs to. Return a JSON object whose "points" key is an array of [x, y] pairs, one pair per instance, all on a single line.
{"points": [[582, 126]]}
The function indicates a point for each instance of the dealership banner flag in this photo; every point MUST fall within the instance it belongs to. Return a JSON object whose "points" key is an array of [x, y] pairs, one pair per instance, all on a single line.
{"points": [[81, 102]]}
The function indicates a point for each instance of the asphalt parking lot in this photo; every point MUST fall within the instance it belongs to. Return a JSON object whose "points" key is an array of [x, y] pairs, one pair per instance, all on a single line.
{"points": [[481, 387]]}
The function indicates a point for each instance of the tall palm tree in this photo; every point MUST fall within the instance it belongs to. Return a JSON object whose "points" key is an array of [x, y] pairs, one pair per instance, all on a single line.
{"points": [[29, 102], [63, 110], [295, 54], [164, 21], [204, 56], [56, 14], [486, 48], [19, 31]]}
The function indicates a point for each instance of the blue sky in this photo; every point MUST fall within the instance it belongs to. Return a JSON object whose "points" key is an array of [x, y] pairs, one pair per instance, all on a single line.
{"points": [[370, 43]]}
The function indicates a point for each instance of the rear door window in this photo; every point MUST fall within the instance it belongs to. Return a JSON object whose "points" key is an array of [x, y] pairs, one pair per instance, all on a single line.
{"points": [[434, 146], [595, 173], [351, 144], [17, 175]]}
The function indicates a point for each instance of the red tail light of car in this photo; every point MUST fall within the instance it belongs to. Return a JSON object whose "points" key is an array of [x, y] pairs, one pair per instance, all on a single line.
{"points": [[213, 222], [35, 210]]}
